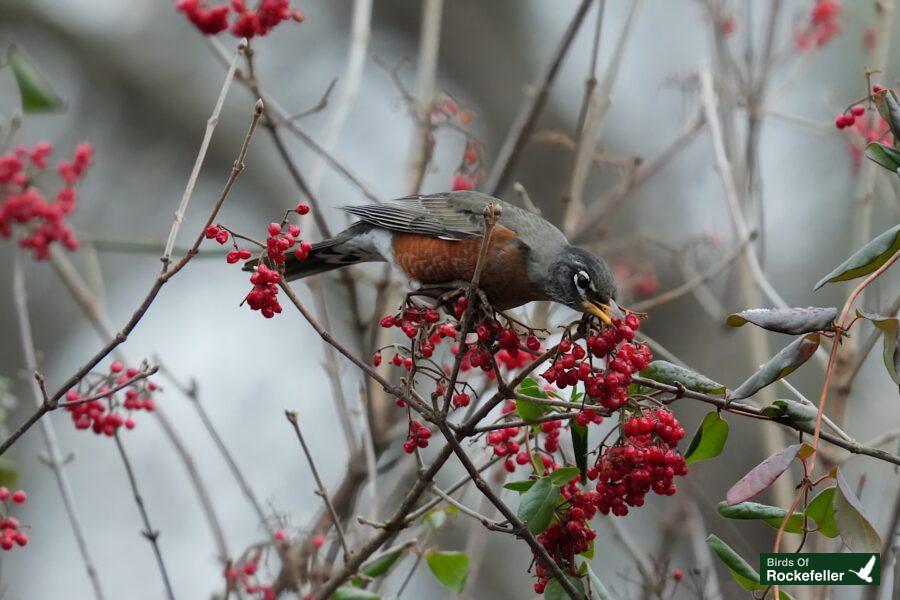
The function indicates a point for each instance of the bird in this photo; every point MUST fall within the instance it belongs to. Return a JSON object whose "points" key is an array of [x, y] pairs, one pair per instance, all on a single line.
{"points": [[435, 239], [866, 572]]}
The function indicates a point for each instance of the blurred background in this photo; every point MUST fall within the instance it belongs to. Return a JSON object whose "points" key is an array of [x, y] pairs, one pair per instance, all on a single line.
{"points": [[140, 82]]}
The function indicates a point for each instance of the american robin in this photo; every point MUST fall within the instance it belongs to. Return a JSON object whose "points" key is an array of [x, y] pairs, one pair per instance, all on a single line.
{"points": [[435, 239]]}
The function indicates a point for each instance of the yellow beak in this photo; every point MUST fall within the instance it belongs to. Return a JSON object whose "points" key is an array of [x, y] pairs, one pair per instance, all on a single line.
{"points": [[604, 311]]}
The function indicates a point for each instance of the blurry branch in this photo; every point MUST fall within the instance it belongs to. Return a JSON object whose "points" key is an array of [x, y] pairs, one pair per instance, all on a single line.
{"points": [[360, 32], [642, 560], [145, 247], [531, 108], [594, 111], [191, 392], [201, 155], [423, 138], [702, 554], [54, 454], [281, 118], [151, 534], [320, 487], [747, 410], [594, 221], [723, 166], [321, 105], [695, 282]]}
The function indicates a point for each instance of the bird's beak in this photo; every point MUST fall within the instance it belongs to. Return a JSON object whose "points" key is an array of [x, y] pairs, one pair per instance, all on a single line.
{"points": [[604, 311]]}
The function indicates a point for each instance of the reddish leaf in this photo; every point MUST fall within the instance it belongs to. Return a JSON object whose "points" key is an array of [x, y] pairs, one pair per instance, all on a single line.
{"points": [[762, 475]]}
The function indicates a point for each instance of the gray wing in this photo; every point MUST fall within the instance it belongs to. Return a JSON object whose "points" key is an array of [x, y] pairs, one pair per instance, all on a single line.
{"points": [[450, 215]]}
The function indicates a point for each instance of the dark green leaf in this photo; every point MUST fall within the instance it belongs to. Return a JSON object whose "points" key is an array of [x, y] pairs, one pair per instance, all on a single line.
{"points": [[742, 572], [353, 593], [794, 321], [8, 474], [867, 259], [801, 415], [856, 531], [883, 155], [537, 505], [890, 328], [762, 475], [35, 91], [666, 372], [554, 591], [379, 566], [753, 511], [821, 510], [520, 486], [450, 568], [598, 590], [563, 475], [709, 439], [531, 387], [781, 365], [889, 109], [579, 435]]}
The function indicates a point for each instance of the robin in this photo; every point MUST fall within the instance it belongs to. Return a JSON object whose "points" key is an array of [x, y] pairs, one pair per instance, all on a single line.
{"points": [[434, 240]]}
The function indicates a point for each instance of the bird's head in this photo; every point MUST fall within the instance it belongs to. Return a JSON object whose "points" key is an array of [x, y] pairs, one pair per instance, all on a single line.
{"points": [[582, 282]]}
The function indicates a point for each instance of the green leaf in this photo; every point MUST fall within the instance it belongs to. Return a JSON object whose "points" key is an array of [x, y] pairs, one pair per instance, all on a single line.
{"points": [[589, 553], [579, 435], [856, 530], [530, 410], [883, 155], [709, 439], [666, 372], [743, 573], [867, 259], [794, 321], [8, 474], [436, 518], [890, 328], [889, 108], [781, 365], [353, 593], [762, 475], [450, 568], [35, 91], [753, 511], [520, 486], [821, 510], [538, 504], [598, 590], [563, 475], [801, 415], [379, 566], [554, 591]]}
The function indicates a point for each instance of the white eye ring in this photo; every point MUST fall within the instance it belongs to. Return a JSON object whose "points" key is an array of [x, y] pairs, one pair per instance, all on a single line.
{"points": [[582, 280]]}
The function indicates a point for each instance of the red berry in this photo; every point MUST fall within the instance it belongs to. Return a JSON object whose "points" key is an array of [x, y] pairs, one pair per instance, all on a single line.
{"points": [[19, 497], [858, 110], [302, 209]]}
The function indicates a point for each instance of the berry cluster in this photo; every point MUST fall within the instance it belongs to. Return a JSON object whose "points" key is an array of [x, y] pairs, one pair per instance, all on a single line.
{"points": [[572, 534], [23, 205], [418, 437], [247, 23], [11, 533], [469, 171], [645, 461], [264, 295], [246, 576], [108, 413], [847, 119], [609, 388], [503, 441], [822, 26]]}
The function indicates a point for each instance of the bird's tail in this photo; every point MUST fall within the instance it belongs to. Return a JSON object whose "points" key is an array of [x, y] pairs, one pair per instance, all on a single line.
{"points": [[324, 256]]}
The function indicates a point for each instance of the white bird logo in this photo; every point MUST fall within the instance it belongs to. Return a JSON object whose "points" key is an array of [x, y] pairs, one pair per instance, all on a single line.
{"points": [[866, 572]]}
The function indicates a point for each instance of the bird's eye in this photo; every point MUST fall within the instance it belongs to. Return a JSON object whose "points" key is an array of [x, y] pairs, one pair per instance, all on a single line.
{"points": [[582, 280]]}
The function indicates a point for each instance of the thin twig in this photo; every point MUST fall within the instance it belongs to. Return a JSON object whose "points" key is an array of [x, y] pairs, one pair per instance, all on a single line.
{"points": [[531, 108], [201, 155], [56, 461], [429, 46], [292, 417], [151, 534]]}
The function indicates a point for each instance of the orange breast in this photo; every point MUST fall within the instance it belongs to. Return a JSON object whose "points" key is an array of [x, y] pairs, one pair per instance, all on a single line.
{"points": [[431, 260]]}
